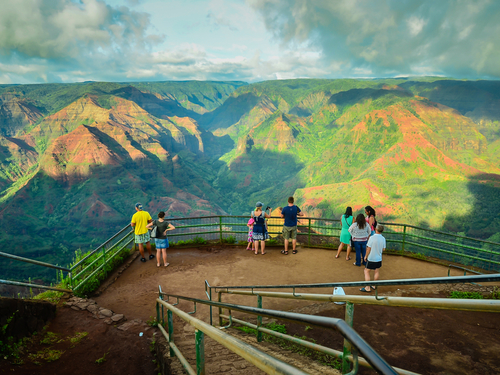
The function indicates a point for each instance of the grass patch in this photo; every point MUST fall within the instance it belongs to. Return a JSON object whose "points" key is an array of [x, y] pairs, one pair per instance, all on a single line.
{"points": [[77, 338], [47, 355], [50, 339], [495, 294], [152, 322], [102, 359]]}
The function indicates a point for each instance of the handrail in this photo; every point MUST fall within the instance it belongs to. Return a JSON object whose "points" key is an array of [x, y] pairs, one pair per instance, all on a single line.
{"points": [[483, 305], [29, 285], [420, 281], [313, 346], [262, 360], [375, 360], [32, 261], [99, 247]]}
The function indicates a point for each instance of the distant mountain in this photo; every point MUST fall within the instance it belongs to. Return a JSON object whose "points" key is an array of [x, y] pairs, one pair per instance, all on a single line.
{"points": [[74, 158]]}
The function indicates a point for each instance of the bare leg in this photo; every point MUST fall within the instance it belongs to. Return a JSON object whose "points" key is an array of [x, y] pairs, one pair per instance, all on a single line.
{"points": [[164, 251], [158, 258], [262, 247], [256, 247], [367, 278], [294, 244], [286, 246], [148, 246], [377, 274], [141, 249], [339, 250], [347, 256]]}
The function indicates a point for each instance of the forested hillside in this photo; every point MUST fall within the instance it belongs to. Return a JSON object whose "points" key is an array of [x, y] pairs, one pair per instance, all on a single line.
{"points": [[74, 158]]}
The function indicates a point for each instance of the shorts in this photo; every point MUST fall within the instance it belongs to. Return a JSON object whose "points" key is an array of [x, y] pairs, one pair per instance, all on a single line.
{"points": [[373, 265], [290, 232], [161, 243], [142, 238]]}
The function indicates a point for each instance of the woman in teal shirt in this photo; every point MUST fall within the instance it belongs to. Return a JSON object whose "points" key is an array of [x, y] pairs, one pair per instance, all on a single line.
{"points": [[345, 236]]}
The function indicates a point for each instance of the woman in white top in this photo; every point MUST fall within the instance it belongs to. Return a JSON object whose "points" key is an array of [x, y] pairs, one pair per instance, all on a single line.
{"points": [[360, 232]]}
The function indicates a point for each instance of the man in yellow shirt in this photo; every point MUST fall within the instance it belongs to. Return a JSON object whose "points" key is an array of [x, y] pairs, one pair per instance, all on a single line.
{"points": [[139, 221]]}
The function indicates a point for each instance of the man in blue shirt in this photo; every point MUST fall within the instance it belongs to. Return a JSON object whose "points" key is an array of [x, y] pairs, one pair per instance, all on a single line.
{"points": [[290, 213]]}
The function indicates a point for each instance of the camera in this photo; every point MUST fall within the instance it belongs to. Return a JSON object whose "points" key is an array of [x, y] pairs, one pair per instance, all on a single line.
{"points": [[268, 208]]}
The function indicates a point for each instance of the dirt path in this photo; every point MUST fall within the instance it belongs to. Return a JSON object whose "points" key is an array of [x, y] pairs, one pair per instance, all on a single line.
{"points": [[134, 292]]}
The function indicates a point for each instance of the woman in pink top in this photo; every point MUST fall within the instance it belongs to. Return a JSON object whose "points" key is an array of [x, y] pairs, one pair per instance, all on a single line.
{"points": [[370, 218]]}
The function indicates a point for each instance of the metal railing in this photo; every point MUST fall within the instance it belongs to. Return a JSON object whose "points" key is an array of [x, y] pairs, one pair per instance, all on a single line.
{"points": [[322, 232], [267, 364], [314, 232], [82, 272], [430, 303]]}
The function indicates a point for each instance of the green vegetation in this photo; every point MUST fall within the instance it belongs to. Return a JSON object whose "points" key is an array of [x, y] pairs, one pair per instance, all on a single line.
{"points": [[152, 322], [331, 143], [102, 359], [195, 241], [495, 294]]}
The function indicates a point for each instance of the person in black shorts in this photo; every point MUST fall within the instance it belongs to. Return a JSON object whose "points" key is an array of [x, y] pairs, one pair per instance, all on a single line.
{"points": [[373, 258]]}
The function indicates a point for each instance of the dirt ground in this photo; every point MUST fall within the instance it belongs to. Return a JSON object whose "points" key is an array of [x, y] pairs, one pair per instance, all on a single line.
{"points": [[419, 340]]}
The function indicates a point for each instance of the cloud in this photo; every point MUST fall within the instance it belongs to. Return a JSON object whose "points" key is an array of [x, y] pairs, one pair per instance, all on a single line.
{"points": [[446, 37], [63, 35]]}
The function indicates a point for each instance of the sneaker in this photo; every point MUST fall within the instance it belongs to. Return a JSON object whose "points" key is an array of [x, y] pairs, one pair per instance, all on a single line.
{"points": [[143, 259], [151, 256]]}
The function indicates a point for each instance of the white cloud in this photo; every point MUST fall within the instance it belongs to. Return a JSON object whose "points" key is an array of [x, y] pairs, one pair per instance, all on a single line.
{"points": [[452, 37], [415, 25]]}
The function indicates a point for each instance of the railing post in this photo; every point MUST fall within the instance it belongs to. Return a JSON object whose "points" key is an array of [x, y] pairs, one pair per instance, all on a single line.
{"points": [[259, 318], [170, 321], [404, 238], [309, 233], [220, 228], [158, 312], [200, 352], [220, 310], [210, 296], [349, 317]]}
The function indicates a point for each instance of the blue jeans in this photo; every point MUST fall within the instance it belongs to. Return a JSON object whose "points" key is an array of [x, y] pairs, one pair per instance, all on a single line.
{"points": [[360, 247]]}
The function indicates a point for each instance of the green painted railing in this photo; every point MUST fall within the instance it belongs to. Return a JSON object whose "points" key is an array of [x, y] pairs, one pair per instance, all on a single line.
{"points": [[321, 232], [261, 291], [313, 232], [262, 360]]}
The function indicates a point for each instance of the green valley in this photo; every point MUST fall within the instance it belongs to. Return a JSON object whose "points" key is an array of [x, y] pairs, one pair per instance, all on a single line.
{"points": [[74, 158]]}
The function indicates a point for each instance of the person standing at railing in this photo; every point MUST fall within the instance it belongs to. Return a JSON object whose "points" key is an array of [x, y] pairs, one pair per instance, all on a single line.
{"points": [[373, 258], [139, 221], [360, 232], [290, 213], [250, 225], [345, 236], [370, 218], [259, 228], [161, 240]]}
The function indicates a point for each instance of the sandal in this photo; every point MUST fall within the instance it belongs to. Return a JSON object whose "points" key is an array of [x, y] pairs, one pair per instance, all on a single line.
{"points": [[166, 265], [294, 252], [347, 259], [264, 253], [336, 256], [284, 252], [364, 290], [143, 259]]}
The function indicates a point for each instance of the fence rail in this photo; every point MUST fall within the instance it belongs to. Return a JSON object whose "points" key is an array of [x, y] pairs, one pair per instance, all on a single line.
{"points": [[313, 232], [346, 330]]}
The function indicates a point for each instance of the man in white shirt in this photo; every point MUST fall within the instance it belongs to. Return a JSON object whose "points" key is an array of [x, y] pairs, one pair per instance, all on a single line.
{"points": [[374, 248]]}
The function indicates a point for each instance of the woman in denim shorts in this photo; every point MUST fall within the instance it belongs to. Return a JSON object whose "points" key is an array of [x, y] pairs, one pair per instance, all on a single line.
{"points": [[161, 240]]}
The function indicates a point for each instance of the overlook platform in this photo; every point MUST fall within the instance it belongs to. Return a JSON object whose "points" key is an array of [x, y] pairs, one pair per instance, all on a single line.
{"points": [[419, 340]]}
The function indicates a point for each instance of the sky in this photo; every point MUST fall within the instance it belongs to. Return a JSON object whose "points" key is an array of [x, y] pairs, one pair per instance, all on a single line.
{"points": [[246, 40]]}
